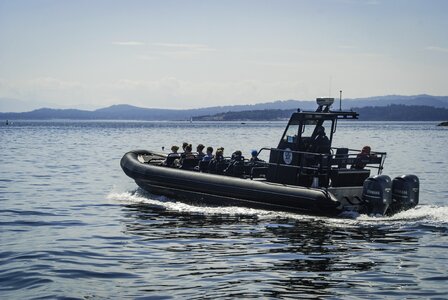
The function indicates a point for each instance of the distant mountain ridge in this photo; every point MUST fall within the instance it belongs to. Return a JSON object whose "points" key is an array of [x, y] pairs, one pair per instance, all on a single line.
{"points": [[393, 112], [129, 112], [422, 100]]}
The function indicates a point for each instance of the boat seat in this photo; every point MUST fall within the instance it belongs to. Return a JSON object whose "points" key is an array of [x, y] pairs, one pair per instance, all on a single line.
{"points": [[217, 167], [238, 170], [170, 160], [203, 166], [348, 177], [341, 156], [189, 164], [257, 172], [221, 166]]}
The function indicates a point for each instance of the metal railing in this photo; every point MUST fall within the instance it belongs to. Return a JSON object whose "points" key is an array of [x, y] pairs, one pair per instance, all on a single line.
{"points": [[322, 164]]}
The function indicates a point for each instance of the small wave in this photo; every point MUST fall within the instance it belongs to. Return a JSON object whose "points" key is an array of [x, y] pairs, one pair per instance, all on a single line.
{"points": [[421, 215], [426, 215], [166, 203], [425, 212], [13, 280]]}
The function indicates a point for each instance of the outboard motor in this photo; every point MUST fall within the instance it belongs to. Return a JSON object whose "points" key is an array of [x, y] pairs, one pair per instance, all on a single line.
{"points": [[405, 191], [377, 194]]}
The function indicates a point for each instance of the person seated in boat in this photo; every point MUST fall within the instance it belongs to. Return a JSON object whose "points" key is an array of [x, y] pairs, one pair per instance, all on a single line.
{"points": [[254, 156], [363, 158], [236, 165], [237, 155], [209, 154], [221, 162], [204, 163], [174, 150], [218, 163], [221, 149], [184, 145], [188, 160], [254, 161], [320, 143], [171, 157], [200, 151], [188, 154]]}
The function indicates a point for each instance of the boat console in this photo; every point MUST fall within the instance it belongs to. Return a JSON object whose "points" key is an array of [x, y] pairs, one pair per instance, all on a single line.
{"points": [[305, 157]]}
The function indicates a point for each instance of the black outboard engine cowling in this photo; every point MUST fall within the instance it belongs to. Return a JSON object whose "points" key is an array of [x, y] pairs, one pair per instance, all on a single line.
{"points": [[405, 192], [377, 194]]}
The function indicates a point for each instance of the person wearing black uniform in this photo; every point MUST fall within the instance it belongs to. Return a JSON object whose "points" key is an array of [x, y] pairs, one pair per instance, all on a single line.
{"points": [[217, 164], [320, 143], [236, 166]]}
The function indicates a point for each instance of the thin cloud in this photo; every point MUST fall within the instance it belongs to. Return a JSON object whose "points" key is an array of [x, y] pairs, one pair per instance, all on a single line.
{"points": [[435, 48]]}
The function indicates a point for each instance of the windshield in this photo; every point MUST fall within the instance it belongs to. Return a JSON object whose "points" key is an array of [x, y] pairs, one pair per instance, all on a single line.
{"points": [[291, 133], [308, 128], [310, 125]]}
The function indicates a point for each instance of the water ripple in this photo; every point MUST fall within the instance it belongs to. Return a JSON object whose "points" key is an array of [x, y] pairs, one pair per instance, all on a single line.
{"points": [[77, 274], [54, 224], [16, 280], [70, 229]]}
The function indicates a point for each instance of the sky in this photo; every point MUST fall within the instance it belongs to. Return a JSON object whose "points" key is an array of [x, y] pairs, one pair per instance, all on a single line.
{"points": [[185, 54]]}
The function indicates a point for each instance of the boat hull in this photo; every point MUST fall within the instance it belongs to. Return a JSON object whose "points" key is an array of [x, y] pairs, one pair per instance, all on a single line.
{"points": [[224, 190]]}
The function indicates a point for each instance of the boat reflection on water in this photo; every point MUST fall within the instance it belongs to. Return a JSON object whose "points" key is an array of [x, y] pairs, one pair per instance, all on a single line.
{"points": [[270, 255]]}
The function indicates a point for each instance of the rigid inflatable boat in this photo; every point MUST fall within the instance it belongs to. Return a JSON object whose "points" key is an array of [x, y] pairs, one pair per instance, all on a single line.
{"points": [[304, 173]]}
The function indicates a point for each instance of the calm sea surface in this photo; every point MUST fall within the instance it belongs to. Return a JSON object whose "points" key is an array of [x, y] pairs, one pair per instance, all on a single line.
{"points": [[72, 225]]}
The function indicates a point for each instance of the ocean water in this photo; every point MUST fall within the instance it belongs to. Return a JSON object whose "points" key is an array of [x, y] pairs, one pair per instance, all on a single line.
{"points": [[73, 226]]}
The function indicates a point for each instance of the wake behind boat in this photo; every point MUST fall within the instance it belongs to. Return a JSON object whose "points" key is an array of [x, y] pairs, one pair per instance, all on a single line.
{"points": [[304, 173]]}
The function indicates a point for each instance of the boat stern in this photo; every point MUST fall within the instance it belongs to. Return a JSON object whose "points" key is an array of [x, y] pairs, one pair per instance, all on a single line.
{"points": [[349, 198]]}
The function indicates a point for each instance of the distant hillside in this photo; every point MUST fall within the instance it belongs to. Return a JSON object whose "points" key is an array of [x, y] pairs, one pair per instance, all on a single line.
{"points": [[250, 115], [386, 113], [402, 113], [48, 114], [422, 100], [129, 112]]}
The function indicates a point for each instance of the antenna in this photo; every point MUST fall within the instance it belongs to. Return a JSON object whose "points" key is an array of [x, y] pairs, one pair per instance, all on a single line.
{"points": [[329, 88], [340, 100]]}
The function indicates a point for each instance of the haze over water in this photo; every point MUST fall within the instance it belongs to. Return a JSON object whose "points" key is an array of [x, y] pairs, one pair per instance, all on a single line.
{"points": [[73, 225]]}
